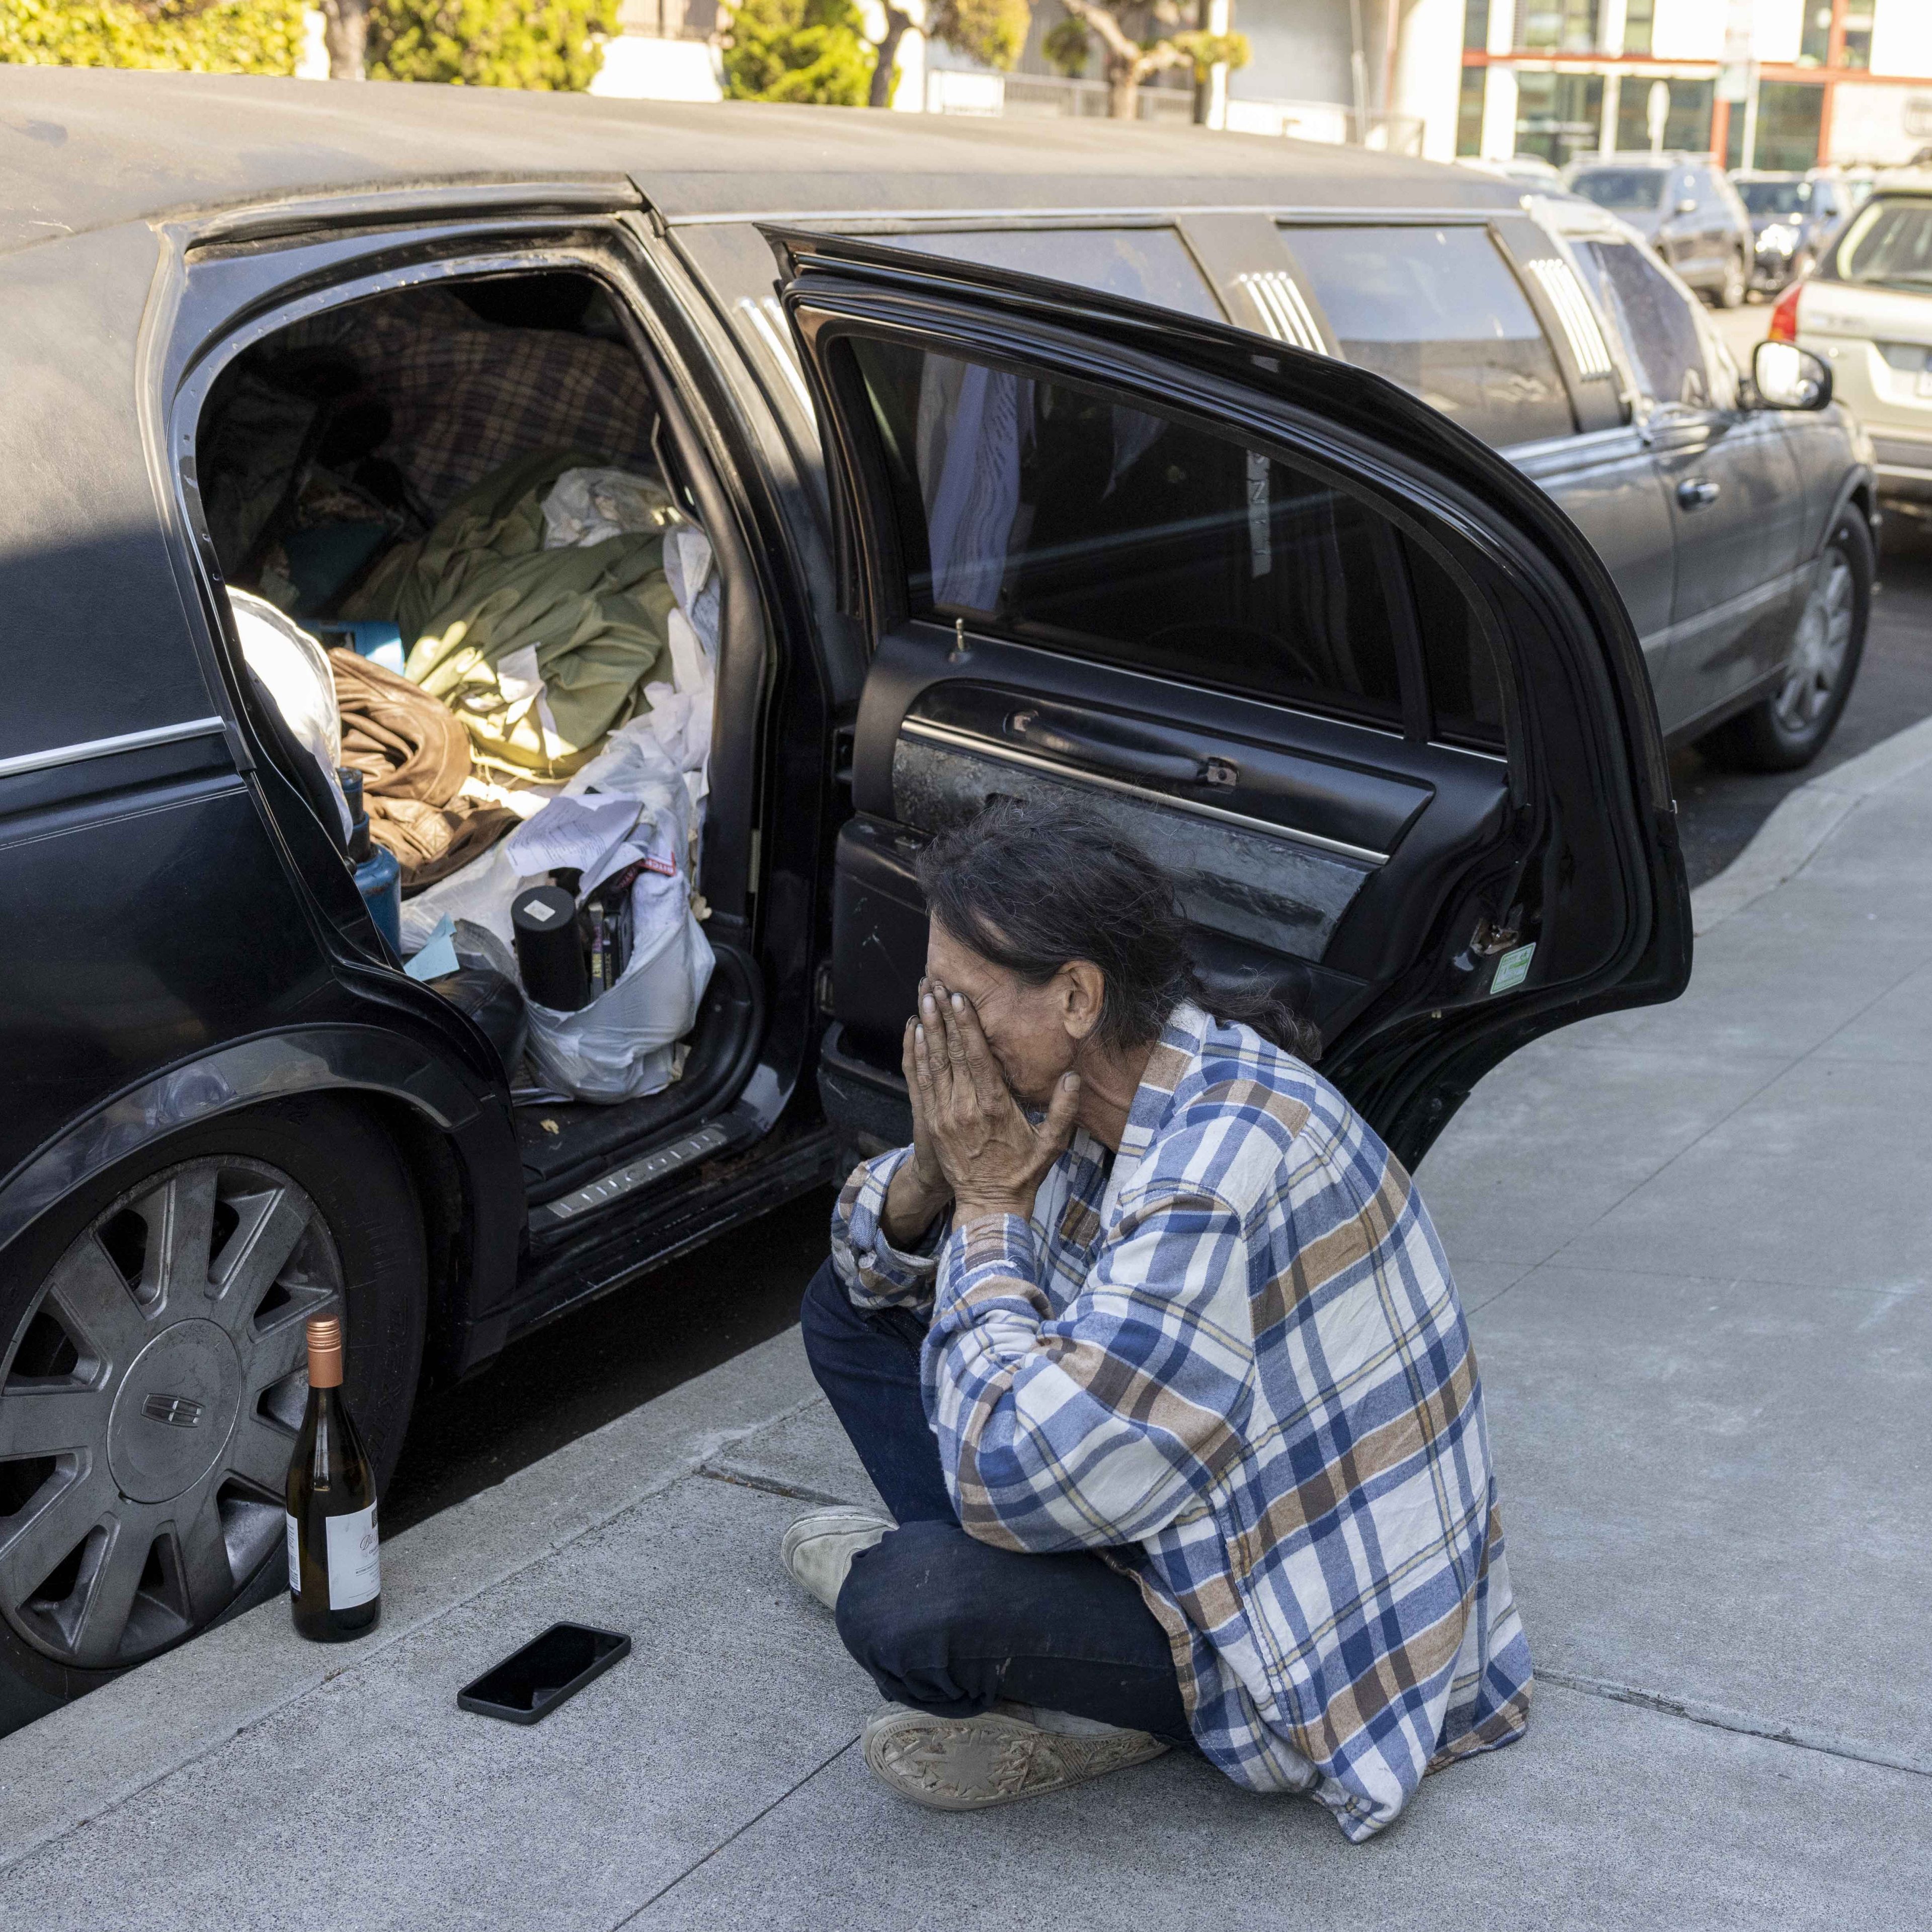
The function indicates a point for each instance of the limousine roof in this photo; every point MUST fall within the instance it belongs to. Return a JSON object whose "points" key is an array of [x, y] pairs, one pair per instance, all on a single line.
{"points": [[84, 149]]}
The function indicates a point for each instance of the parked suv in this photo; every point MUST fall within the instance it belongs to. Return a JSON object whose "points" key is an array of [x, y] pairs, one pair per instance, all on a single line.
{"points": [[1686, 209], [1867, 311], [1794, 217], [1150, 473]]}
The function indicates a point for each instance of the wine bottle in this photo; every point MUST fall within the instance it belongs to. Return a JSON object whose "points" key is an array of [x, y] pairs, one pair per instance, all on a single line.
{"points": [[334, 1578]]}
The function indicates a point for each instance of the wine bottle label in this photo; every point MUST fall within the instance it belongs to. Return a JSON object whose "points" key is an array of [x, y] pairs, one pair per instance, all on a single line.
{"points": [[355, 1563], [294, 1554]]}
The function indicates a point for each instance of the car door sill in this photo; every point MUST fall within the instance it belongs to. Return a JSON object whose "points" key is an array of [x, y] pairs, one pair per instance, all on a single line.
{"points": [[984, 748]]}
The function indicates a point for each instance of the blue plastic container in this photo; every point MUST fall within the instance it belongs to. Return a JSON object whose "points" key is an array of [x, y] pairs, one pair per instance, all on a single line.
{"points": [[379, 879]]}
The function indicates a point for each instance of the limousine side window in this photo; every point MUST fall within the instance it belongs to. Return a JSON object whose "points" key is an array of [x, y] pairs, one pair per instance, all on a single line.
{"points": [[1656, 323], [1060, 518], [1438, 311], [1149, 264]]}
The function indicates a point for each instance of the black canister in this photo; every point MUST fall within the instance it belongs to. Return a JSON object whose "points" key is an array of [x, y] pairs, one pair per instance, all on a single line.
{"points": [[550, 949]]}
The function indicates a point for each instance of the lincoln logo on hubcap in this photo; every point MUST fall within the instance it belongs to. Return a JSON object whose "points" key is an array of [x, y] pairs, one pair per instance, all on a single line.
{"points": [[180, 1411]]}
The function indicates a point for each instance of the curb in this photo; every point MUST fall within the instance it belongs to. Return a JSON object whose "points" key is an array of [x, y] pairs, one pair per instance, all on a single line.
{"points": [[1784, 844], [83, 1759]]}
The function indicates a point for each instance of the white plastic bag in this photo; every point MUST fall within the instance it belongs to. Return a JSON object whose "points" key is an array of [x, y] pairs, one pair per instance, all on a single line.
{"points": [[591, 506], [622, 1046], [293, 668]]}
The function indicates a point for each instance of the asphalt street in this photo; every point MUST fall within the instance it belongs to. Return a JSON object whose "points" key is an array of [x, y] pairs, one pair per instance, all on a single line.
{"points": [[602, 1361]]}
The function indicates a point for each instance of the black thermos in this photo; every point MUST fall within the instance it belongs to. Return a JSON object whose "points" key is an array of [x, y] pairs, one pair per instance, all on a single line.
{"points": [[550, 949]]}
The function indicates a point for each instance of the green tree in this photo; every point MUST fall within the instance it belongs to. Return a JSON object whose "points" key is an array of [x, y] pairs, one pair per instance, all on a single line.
{"points": [[993, 32], [198, 36], [554, 45], [809, 50], [1126, 59]]}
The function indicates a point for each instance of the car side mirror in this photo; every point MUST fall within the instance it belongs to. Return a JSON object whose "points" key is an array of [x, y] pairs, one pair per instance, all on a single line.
{"points": [[1688, 206], [1787, 377]]}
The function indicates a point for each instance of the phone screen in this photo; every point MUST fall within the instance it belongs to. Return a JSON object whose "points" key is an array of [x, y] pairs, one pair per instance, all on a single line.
{"points": [[545, 1665]]}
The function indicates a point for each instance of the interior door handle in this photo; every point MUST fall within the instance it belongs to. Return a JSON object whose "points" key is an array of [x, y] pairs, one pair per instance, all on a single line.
{"points": [[1127, 760], [1698, 492]]}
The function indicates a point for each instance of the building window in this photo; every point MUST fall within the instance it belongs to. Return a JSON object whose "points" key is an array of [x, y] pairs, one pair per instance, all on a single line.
{"points": [[1687, 127], [1558, 116], [1858, 34], [1476, 26], [1639, 20], [1816, 39], [1789, 114], [1557, 26], [1469, 110]]}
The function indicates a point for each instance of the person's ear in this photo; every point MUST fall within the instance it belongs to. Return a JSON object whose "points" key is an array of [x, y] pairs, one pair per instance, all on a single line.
{"points": [[1083, 992]]}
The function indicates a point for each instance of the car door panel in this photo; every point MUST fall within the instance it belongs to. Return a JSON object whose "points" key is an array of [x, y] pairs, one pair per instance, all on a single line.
{"points": [[1608, 485], [1364, 857], [1735, 498]]}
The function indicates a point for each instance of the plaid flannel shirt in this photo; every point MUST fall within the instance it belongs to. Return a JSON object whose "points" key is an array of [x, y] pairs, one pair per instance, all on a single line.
{"points": [[1234, 1363]]}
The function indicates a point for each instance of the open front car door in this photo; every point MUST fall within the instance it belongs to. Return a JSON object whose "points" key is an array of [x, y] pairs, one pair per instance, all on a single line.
{"points": [[1362, 686]]}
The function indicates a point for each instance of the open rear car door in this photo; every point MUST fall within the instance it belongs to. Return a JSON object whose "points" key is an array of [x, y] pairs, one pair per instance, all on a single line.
{"points": [[1362, 686]]}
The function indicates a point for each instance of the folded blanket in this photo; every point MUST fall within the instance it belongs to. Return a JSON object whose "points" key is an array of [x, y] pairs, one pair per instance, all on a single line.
{"points": [[540, 653]]}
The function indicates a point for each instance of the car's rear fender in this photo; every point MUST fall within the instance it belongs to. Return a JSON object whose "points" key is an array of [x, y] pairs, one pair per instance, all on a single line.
{"points": [[453, 1134]]}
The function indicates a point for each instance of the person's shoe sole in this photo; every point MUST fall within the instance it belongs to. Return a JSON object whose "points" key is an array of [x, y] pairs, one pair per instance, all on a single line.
{"points": [[972, 1764]]}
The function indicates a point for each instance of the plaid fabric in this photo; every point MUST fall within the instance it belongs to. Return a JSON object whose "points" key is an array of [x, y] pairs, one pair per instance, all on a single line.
{"points": [[1232, 1360], [470, 396]]}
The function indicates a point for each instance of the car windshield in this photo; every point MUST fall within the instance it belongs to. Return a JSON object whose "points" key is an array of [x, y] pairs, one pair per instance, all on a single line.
{"points": [[1776, 197], [1622, 189], [1890, 244]]}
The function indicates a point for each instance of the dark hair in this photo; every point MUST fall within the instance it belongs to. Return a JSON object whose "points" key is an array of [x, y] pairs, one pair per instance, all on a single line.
{"points": [[1030, 886]]}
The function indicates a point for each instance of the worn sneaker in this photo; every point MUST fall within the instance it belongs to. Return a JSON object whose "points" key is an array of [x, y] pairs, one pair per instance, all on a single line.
{"points": [[970, 1764], [818, 1548]]}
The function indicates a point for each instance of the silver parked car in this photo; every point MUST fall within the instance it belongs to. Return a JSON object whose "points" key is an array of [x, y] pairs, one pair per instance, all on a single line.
{"points": [[1686, 209], [1867, 311]]}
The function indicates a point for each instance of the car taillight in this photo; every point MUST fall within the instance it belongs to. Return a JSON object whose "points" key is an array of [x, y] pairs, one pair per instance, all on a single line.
{"points": [[1784, 316]]}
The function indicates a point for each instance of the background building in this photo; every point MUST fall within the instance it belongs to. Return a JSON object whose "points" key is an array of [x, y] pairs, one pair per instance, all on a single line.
{"points": [[1764, 83]]}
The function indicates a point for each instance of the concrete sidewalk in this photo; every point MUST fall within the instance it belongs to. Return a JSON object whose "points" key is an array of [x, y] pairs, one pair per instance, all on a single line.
{"points": [[1694, 1244]]}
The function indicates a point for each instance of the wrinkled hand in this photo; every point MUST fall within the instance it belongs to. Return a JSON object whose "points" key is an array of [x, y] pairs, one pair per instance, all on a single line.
{"points": [[993, 1157], [919, 1189]]}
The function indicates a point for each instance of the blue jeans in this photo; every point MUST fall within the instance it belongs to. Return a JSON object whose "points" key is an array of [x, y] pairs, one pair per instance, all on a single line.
{"points": [[945, 1624]]}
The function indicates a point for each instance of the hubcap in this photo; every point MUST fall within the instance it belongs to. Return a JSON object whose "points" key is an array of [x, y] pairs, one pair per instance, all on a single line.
{"points": [[1822, 644], [148, 1410], [173, 1411]]}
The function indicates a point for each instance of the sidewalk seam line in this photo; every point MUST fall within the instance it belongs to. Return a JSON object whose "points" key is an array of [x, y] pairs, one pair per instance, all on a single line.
{"points": [[683, 1472], [757, 1817], [1713, 1717]]}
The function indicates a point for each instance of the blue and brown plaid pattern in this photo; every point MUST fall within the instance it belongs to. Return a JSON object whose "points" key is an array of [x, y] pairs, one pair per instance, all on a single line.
{"points": [[1232, 1360]]}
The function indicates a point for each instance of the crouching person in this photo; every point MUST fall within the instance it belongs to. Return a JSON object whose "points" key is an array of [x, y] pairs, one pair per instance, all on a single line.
{"points": [[1149, 1346]]}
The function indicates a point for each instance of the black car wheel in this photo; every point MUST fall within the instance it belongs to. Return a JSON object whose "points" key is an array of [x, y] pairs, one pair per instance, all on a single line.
{"points": [[1788, 729], [154, 1372]]}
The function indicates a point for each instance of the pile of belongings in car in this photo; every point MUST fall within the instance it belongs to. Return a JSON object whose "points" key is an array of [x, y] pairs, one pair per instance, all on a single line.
{"points": [[516, 634]]}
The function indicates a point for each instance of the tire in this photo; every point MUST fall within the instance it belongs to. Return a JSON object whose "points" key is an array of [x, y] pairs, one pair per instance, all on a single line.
{"points": [[1786, 731], [146, 1417], [1737, 281]]}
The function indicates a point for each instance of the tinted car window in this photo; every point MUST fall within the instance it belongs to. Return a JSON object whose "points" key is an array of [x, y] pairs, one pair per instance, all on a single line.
{"points": [[1625, 191], [1776, 197], [1889, 245], [1438, 311], [1464, 692], [1059, 517], [1150, 264], [1656, 321]]}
